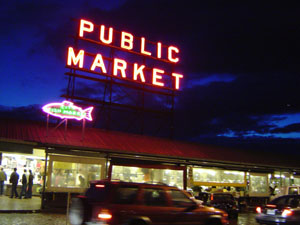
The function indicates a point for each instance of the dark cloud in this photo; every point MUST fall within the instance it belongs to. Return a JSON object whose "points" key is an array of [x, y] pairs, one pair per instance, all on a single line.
{"points": [[287, 129]]}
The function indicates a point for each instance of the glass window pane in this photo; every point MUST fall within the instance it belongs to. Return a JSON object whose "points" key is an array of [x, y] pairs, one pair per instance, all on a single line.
{"points": [[218, 176], [179, 199], [296, 181], [148, 175], [126, 195], [154, 197], [259, 184], [74, 175]]}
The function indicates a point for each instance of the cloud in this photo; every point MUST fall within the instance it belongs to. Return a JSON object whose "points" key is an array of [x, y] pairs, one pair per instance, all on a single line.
{"points": [[287, 129]]}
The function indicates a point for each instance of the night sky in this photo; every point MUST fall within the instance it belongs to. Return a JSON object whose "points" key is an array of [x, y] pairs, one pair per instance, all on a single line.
{"points": [[240, 62]]}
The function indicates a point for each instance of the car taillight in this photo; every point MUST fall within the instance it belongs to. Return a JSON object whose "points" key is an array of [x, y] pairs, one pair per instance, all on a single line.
{"points": [[258, 209], [99, 185], [104, 215], [287, 212]]}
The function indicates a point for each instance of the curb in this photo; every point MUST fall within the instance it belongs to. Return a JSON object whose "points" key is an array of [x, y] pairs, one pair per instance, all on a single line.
{"points": [[21, 211]]}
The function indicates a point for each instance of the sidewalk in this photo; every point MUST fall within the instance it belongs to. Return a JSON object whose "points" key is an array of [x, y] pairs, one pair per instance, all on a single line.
{"points": [[15, 205]]}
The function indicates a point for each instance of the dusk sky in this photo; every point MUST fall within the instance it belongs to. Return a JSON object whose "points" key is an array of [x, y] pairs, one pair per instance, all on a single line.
{"points": [[240, 61]]}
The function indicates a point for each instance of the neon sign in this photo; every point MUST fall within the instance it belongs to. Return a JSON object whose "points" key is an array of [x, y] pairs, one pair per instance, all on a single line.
{"points": [[120, 68], [67, 110]]}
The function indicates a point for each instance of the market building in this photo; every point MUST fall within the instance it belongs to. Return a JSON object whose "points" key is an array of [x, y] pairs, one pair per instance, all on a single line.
{"points": [[64, 161], [65, 158]]}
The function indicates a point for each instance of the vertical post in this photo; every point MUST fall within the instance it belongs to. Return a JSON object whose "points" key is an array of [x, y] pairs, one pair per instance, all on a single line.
{"points": [[66, 125], [106, 166], [185, 178], [47, 128], [83, 129], [44, 179], [68, 207]]}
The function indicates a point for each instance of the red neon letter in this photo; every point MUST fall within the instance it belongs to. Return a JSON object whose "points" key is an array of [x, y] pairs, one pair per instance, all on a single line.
{"points": [[158, 50], [110, 35], [85, 26], [156, 76], [138, 71], [72, 59], [98, 62], [172, 49], [126, 40], [143, 51], [177, 77], [121, 67]]}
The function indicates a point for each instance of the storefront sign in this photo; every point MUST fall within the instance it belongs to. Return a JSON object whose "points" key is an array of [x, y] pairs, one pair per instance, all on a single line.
{"points": [[121, 69], [67, 110]]}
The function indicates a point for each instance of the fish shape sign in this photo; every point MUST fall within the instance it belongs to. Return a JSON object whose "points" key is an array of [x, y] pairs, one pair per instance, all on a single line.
{"points": [[67, 110]]}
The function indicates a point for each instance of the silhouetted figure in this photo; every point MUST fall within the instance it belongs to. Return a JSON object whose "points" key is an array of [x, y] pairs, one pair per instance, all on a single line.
{"points": [[30, 184], [14, 179], [24, 185], [3, 178]]}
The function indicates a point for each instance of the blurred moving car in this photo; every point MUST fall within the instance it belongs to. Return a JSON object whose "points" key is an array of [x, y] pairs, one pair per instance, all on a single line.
{"points": [[192, 196], [224, 201], [116, 202], [282, 210]]}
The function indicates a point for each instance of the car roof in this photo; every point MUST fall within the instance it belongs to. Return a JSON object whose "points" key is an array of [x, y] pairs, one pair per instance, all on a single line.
{"points": [[119, 182]]}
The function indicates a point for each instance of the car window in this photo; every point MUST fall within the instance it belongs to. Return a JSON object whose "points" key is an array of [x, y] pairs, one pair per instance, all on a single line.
{"points": [[99, 193], [293, 202], [179, 199], [125, 195], [293, 190], [154, 197], [279, 201]]}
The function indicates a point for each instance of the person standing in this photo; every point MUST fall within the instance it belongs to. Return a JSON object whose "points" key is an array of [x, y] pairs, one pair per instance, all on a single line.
{"points": [[30, 184], [3, 178], [14, 179], [24, 185]]}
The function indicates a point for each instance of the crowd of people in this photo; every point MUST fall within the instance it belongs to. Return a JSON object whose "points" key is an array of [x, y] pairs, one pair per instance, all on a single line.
{"points": [[26, 180]]}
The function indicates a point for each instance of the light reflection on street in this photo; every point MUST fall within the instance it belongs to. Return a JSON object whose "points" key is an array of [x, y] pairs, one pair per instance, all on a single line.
{"points": [[60, 219]]}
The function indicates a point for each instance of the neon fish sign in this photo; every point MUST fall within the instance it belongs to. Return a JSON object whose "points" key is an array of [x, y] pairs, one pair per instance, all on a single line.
{"points": [[67, 110]]}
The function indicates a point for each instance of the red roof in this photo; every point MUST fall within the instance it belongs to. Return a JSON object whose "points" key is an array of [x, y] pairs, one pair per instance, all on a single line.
{"points": [[98, 140]]}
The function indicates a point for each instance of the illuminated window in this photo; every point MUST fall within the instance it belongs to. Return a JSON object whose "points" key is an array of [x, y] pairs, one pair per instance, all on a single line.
{"points": [[143, 175]]}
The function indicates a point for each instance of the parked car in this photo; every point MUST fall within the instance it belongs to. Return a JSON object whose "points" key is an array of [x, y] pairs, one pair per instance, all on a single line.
{"points": [[287, 190], [282, 210], [122, 203], [224, 201]]}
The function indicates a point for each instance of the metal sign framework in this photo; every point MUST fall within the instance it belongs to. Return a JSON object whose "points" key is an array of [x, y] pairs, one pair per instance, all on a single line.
{"points": [[109, 104]]}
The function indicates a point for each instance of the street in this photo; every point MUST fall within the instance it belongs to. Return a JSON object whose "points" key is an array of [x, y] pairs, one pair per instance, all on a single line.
{"points": [[60, 219]]}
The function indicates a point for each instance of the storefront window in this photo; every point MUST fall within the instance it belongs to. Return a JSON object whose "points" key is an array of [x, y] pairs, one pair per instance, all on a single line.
{"points": [[21, 161], [216, 176], [280, 179], [296, 180], [72, 172], [74, 175], [259, 185], [151, 175]]}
